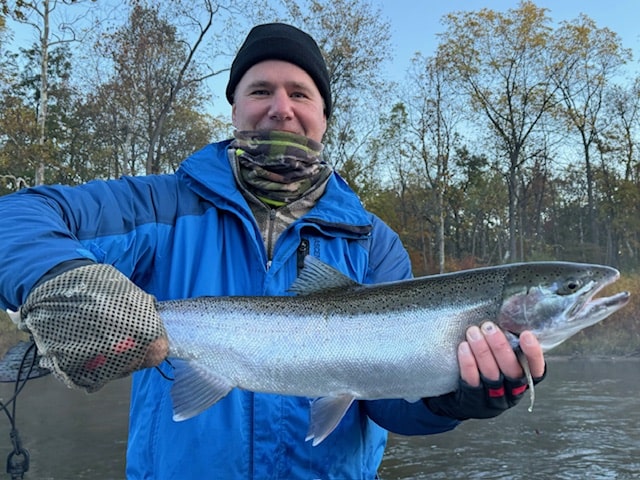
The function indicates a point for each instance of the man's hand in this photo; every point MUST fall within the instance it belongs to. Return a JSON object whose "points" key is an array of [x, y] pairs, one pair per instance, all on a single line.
{"points": [[91, 324], [491, 377], [487, 352]]}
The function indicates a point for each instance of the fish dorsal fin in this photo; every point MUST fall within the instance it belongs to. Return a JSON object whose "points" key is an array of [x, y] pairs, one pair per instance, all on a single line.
{"points": [[326, 413], [317, 276], [195, 389]]}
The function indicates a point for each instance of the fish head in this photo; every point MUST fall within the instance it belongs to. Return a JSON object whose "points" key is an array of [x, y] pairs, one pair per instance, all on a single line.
{"points": [[555, 300]]}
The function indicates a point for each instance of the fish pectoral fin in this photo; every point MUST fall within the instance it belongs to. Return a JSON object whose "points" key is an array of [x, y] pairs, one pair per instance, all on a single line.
{"points": [[326, 413], [195, 389]]}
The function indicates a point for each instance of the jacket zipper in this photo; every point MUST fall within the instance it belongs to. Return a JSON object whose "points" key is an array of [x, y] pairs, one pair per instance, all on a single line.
{"points": [[303, 251], [272, 217]]}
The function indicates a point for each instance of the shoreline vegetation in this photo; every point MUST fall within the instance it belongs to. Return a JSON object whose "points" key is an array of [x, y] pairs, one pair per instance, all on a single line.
{"points": [[9, 334]]}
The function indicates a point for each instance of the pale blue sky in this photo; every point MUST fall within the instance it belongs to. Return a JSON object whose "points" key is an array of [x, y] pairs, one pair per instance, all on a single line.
{"points": [[415, 23]]}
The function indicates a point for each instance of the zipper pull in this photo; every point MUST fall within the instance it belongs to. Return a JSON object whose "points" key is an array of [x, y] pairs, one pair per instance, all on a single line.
{"points": [[303, 251]]}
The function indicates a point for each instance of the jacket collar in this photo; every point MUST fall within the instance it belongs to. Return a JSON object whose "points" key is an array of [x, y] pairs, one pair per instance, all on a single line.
{"points": [[209, 174]]}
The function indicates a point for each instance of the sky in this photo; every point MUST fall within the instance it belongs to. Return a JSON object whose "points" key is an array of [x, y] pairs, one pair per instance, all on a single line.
{"points": [[415, 23]]}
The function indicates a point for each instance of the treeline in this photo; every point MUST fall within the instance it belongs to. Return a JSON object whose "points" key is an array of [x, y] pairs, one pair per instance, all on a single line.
{"points": [[517, 140]]}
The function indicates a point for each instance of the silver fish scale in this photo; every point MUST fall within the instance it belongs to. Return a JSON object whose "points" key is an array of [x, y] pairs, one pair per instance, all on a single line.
{"points": [[328, 346]]}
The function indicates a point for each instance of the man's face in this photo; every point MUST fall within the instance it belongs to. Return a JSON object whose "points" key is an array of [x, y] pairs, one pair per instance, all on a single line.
{"points": [[277, 95]]}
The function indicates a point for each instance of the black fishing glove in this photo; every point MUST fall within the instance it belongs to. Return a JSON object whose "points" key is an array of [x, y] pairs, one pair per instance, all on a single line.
{"points": [[487, 400], [91, 324]]}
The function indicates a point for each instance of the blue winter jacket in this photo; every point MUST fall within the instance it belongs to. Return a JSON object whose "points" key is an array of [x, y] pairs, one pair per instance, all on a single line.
{"points": [[191, 234]]}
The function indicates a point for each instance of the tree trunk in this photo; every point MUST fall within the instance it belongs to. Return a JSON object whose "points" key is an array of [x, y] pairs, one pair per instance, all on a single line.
{"points": [[44, 94]]}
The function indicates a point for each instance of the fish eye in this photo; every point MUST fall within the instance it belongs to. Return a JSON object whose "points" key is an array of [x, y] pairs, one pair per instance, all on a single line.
{"points": [[570, 286]]}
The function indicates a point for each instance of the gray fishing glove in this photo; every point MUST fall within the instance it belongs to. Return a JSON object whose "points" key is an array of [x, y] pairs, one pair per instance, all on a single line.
{"points": [[91, 324], [487, 400]]}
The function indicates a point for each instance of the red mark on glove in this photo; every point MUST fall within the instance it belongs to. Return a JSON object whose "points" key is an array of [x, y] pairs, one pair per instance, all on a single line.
{"points": [[124, 345], [96, 362], [519, 390], [496, 392]]}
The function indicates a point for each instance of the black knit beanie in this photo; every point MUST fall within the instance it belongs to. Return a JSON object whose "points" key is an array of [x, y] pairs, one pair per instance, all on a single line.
{"points": [[278, 41]]}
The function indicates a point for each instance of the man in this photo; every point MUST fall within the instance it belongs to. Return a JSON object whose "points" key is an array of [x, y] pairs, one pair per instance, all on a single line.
{"points": [[237, 218]]}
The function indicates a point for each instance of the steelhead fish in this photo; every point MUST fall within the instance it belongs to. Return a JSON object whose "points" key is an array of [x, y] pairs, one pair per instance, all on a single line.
{"points": [[337, 341]]}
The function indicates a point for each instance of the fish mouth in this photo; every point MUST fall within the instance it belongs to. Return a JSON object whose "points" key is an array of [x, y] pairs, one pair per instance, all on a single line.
{"points": [[590, 302], [583, 314], [608, 304]]}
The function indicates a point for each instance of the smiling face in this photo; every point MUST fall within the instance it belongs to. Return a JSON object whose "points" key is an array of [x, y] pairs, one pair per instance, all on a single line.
{"points": [[278, 95]]}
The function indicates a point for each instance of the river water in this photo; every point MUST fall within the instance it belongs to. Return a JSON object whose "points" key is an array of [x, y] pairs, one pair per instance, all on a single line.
{"points": [[585, 425]]}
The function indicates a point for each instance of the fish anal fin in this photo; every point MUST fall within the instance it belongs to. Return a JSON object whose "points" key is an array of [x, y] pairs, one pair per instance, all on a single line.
{"points": [[413, 399], [326, 413], [195, 389]]}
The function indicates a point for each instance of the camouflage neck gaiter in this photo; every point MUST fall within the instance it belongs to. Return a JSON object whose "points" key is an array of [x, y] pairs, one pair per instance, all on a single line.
{"points": [[278, 167]]}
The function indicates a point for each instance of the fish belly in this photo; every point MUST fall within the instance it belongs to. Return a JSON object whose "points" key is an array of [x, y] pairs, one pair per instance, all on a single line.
{"points": [[373, 356]]}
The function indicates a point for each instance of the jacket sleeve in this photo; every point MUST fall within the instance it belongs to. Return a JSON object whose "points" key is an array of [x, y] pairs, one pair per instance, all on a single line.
{"points": [[45, 226], [389, 261]]}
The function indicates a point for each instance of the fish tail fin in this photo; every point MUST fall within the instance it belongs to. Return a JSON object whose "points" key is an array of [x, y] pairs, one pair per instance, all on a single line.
{"points": [[14, 316]]}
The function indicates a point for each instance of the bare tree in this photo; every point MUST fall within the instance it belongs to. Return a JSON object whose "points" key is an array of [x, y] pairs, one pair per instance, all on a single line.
{"points": [[586, 59], [621, 135], [153, 67], [501, 62], [434, 116], [181, 80], [38, 14]]}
